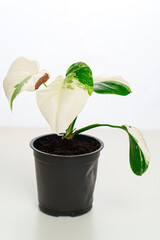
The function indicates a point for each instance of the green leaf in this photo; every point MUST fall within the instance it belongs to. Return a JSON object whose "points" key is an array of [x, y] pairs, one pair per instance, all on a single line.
{"points": [[138, 151], [112, 87], [82, 72], [17, 90], [138, 162]]}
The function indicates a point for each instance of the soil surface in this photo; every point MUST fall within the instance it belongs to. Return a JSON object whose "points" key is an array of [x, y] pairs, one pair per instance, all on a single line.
{"points": [[54, 144]]}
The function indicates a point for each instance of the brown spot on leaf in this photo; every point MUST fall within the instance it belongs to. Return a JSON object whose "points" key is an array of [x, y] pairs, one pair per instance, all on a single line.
{"points": [[42, 80]]}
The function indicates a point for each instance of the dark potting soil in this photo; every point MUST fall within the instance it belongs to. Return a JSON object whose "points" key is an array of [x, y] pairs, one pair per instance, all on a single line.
{"points": [[54, 144]]}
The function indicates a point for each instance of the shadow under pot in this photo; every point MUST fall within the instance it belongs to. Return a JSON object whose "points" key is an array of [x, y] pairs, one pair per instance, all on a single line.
{"points": [[65, 183]]}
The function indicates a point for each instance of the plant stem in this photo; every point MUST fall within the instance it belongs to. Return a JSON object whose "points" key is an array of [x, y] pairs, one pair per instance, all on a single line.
{"points": [[44, 84], [70, 129], [72, 124], [92, 126]]}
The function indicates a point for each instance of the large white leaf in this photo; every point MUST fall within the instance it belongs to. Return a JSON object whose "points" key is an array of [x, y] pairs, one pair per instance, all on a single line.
{"points": [[61, 102], [24, 75]]}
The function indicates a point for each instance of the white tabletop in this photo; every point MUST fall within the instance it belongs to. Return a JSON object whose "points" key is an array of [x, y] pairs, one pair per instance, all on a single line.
{"points": [[126, 207]]}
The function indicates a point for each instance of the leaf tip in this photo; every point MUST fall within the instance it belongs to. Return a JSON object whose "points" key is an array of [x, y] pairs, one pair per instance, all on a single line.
{"points": [[129, 91]]}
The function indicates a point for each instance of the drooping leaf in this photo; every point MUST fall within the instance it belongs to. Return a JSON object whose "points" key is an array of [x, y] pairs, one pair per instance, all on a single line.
{"points": [[138, 152], [111, 85], [23, 75], [62, 101]]}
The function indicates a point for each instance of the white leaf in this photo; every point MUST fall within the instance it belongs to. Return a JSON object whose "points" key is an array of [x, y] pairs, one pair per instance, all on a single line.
{"points": [[61, 102], [19, 70], [136, 134]]}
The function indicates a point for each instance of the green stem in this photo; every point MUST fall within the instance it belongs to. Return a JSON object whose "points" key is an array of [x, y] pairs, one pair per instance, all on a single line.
{"points": [[72, 125], [44, 84], [69, 130], [92, 126]]}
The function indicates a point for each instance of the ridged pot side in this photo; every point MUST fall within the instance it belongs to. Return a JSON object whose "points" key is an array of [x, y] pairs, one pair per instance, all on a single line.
{"points": [[65, 183]]}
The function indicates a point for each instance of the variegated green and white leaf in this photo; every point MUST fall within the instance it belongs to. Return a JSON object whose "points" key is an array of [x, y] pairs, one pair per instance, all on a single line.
{"points": [[83, 74], [105, 84], [62, 101], [23, 75], [139, 153]]}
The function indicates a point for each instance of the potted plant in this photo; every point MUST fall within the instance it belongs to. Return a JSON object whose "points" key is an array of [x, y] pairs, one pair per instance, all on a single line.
{"points": [[66, 161]]}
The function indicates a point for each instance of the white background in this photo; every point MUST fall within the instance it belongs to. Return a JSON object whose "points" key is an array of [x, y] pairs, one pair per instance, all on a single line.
{"points": [[118, 37]]}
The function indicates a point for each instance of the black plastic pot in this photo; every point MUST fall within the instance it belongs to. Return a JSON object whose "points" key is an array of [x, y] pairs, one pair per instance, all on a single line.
{"points": [[65, 183]]}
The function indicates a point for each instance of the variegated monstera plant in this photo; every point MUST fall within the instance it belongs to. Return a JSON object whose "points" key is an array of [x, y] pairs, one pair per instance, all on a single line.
{"points": [[61, 101]]}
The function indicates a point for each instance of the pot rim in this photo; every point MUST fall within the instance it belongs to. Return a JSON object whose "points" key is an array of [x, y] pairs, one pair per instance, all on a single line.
{"points": [[66, 156]]}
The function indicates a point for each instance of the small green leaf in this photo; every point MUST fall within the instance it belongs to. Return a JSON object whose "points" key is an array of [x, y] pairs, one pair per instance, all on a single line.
{"points": [[83, 74], [138, 151], [17, 90], [112, 87], [138, 162]]}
